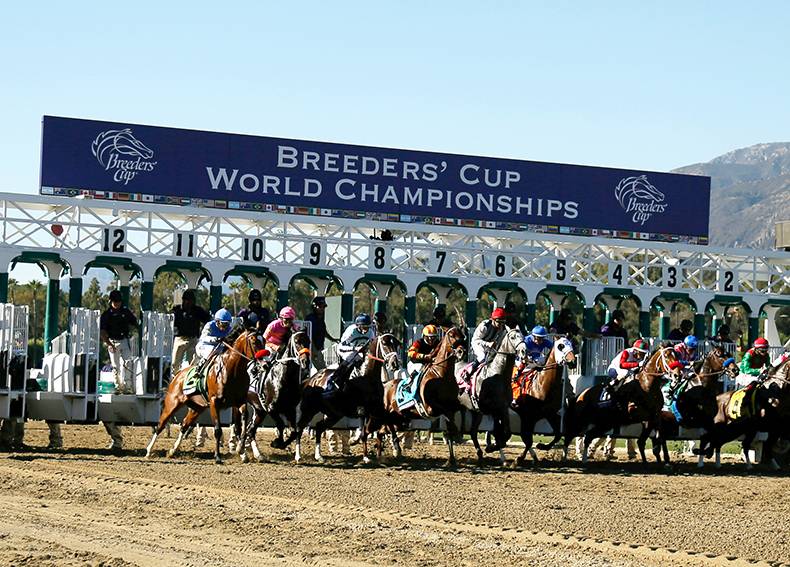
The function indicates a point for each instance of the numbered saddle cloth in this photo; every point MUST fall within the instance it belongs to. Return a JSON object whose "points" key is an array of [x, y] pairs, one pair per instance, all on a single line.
{"points": [[742, 403], [406, 393], [195, 382]]}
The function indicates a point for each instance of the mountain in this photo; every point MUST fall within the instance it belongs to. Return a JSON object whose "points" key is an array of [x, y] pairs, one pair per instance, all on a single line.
{"points": [[750, 191]]}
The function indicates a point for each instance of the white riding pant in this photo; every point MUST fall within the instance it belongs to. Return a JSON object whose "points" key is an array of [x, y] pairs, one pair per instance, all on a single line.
{"points": [[121, 361]]}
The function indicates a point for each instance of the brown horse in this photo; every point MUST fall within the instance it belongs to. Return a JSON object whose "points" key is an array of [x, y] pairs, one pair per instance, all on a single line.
{"points": [[277, 394], [767, 408], [544, 396], [635, 400], [692, 403], [438, 394], [357, 396], [227, 382]]}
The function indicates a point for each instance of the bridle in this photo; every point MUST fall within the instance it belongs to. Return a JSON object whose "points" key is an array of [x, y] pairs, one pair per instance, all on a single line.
{"points": [[294, 352], [389, 358]]}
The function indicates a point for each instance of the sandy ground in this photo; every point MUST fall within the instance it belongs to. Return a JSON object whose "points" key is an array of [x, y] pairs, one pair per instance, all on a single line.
{"points": [[88, 507]]}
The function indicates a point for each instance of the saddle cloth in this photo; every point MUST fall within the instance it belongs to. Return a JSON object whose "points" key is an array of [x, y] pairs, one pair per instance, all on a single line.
{"points": [[406, 396], [195, 382], [521, 383], [742, 403]]}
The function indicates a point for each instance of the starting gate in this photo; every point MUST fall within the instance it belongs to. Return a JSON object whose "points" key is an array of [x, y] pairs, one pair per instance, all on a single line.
{"points": [[13, 359]]}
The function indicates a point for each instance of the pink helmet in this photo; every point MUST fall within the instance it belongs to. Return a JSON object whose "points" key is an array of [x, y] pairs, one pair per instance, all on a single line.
{"points": [[287, 312]]}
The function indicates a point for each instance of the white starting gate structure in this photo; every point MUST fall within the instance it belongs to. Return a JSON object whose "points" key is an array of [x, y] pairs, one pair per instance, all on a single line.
{"points": [[66, 235], [13, 359]]}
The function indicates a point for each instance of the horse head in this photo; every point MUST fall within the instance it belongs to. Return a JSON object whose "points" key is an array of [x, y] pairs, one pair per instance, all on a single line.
{"points": [[387, 349], [563, 352], [511, 341], [453, 343], [299, 348], [662, 363]]}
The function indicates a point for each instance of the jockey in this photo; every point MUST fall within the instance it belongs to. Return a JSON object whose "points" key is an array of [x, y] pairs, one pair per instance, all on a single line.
{"points": [[212, 335], [687, 350], [538, 347], [483, 338], [630, 361], [356, 335], [420, 353], [756, 359], [279, 331]]}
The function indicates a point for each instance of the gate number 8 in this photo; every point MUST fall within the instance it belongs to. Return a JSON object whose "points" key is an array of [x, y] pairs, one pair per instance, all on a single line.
{"points": [[378, 257]]}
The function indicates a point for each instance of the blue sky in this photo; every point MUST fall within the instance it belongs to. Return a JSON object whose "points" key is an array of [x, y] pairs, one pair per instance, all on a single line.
{"points": [[624, 84]]}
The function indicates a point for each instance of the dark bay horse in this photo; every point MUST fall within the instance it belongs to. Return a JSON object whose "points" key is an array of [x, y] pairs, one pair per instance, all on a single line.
{"points": [[360, 396], [541, 397], [438, 394], [493, 393], [636, 400], [765, 406], [227, 383], [693, 402], [278, 394]]}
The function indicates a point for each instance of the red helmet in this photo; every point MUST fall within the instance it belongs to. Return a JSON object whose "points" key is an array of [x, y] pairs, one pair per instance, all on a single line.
{"points": [[760, 343], [498, 313]]}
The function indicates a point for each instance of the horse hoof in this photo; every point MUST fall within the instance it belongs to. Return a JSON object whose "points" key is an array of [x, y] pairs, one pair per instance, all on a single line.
{"points": [[542, 447], [451, 464], [218, 461], [171, 453], [244, 457], [277, 444], [366, 460], [320, 460], [775, 466], [491, 448]]}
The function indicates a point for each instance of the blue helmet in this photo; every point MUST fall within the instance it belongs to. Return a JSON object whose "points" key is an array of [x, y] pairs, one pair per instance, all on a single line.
{"points": [[539, 331], [362, 319], [690, 341], [223, 316]]}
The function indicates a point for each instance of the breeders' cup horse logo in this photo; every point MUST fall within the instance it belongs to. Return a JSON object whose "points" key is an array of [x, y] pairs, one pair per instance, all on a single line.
{"points": [[636, 195], [110, 148]]}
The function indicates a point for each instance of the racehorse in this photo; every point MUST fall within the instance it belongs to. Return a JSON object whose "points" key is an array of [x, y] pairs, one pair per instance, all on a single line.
{"points": [[635, 400], [692, 403], [437, 394], [764, 406], [358, 396], [540, 396], [227, 382], [277, 394], [492, 392]]}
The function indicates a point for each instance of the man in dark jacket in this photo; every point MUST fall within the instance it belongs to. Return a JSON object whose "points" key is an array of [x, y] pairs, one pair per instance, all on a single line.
{"points": [[318, 332], [188, 320], [115, 327], [255, 315]]}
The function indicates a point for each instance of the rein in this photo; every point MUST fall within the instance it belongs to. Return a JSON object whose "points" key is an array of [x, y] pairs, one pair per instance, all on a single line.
{"points": [[237, 351]]}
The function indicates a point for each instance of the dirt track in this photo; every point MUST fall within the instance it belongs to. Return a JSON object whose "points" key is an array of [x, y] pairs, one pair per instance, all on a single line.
{"points": [[87, 507]]}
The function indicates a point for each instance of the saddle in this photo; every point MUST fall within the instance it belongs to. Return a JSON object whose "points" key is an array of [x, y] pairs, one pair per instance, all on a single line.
{"points": [[743, 403], [195, 382], [467, 381]]}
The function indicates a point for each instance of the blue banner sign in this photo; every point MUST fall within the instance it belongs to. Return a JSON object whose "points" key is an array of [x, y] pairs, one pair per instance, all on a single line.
{"points": [[168, 165]]}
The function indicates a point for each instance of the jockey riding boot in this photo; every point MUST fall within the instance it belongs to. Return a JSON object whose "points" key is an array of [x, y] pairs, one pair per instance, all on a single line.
{"points": [[471, 370]]}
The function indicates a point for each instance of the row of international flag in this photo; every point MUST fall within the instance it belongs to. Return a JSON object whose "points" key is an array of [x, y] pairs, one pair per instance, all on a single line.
{"points": [[368, 215]]}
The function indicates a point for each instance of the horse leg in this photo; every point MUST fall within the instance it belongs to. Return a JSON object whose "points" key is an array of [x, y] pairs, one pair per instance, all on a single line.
{"points": [[186, 427], [453, 433], [217, 429], [473, 431], [526, 438], [556, 426], [641, 442], [746, 445], [171, 406], [319, 429], [504, 438], [397, 452], [768, 451]]}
